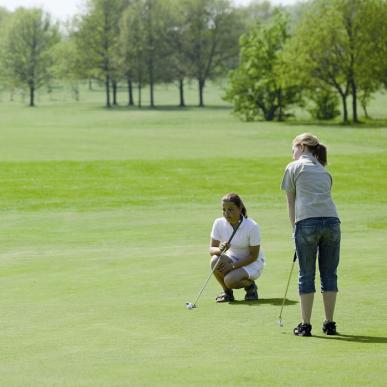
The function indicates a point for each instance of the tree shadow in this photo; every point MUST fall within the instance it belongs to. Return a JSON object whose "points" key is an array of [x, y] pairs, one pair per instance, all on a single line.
{"points": [[355, 339], [164, 108], [263, 301], [368, 123]]}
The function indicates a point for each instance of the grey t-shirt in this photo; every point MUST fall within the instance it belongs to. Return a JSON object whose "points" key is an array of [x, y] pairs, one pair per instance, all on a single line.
{"points": [[311, 185]]}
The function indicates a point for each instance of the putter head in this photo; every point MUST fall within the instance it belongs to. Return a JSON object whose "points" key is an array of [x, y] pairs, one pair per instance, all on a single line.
{"points": [[280, 322], [189, 305]]}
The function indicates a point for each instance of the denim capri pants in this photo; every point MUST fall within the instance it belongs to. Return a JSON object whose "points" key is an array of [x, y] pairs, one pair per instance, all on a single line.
{"points": [[318, 236]]}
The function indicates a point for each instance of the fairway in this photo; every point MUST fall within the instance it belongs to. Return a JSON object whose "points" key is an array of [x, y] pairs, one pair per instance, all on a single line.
{"points": [[105, 223]]}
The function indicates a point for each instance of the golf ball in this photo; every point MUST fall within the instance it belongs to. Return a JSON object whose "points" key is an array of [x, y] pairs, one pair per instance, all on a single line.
{"points": [[189, 305]]}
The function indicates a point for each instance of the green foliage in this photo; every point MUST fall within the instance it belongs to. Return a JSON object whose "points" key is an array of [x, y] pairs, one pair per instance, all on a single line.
{"points": [[211, 43], [133, 43], [143, 43], [97, 40], [26, 57], [255, 87], [338, 45], [325, 104]]}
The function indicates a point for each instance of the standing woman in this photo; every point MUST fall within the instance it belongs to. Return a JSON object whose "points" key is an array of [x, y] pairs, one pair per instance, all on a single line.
{"points": [[241, 262], [316, 228]]}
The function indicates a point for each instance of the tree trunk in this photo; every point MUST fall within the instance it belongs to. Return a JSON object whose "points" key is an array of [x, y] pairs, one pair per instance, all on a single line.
{"points": [[151, 85], [280, 109], [354, 101], [345, 109], [130, 93], [139, 94], [201, 90], [32, 95], [114, 89], [181, 92], [270, 114], [107, 91], [364, 106]]}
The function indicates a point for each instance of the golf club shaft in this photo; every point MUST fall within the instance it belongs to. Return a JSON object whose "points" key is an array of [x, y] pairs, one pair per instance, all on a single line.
{"points": [[287, 286], [216, 264]]}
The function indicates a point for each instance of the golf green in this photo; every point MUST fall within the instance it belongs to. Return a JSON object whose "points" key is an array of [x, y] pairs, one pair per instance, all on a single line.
{"points": [[105, 222]]}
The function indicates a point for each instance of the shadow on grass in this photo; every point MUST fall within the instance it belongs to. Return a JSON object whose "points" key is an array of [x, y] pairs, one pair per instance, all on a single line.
{"points": [[367, 123], [356, 339], [262, 301], [166, 108]]}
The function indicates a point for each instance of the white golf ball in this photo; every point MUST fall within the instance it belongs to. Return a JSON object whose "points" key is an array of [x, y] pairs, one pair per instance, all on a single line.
{"points": [[189, 305]]}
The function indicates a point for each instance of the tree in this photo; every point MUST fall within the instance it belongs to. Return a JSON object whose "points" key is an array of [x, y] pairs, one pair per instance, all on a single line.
{"points": [[338, 44], [212, 33], [4, 15], [97, 40], [255, 87], [133, 48], [326, 104], [66, 64], [26, 49], [176, 66], [143, 42]]}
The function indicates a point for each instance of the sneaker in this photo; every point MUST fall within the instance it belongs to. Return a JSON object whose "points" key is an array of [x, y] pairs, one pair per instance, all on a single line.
{"points": [[226, 296], [329, 328], [303, 329], [251, 292]]}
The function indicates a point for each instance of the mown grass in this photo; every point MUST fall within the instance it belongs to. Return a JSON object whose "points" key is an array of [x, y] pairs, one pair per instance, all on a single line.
{"points": [[105, 225]]}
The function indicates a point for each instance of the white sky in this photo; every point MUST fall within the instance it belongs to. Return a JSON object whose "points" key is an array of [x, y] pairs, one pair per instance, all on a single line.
{"points": [[63, 9]]}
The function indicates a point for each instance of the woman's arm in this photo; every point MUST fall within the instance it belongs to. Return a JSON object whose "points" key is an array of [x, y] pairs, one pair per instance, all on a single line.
{"points": [[291, 207], [254, 251]]}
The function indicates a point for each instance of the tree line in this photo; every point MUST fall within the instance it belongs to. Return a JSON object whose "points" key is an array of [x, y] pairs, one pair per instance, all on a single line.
{"points": [[336, 50], [135, 42], [318, 53]]}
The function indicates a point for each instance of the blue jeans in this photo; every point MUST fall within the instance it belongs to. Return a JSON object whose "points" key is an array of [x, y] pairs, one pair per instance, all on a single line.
{"points": [[322, 236]]}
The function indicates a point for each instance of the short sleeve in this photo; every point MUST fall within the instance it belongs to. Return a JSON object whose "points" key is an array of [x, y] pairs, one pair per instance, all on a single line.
{"points": [[215, 232], [288, 183], [254, 235]]}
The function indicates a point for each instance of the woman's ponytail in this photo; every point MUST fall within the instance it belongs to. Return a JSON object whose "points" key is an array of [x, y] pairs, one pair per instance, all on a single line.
{"points": [[320, 152], [313, 144]]}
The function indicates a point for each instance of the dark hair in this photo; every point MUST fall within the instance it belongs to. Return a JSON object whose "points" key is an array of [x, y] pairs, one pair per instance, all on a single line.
{"points": [[234, 198], [313, 144]]}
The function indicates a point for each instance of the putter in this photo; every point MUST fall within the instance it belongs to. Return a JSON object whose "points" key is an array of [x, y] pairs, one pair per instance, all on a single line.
{"points": [[189, 305], [280, 322]]}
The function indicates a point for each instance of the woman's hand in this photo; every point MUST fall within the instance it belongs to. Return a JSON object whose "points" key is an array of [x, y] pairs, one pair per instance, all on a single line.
{"points": [[225, 264], [224, 246]]}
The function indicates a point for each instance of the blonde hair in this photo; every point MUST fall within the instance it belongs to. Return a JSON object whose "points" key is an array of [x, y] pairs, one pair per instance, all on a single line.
{"points": [[313, 144]]}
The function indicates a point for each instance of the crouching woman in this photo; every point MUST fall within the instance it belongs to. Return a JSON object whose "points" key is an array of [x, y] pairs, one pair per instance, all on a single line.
{"points": [[240, 262]]}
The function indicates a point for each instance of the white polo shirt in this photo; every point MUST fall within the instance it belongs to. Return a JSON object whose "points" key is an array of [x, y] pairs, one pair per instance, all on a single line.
{"points": [[247, 235]]}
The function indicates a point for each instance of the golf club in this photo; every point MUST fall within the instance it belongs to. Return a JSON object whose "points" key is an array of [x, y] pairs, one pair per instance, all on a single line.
{"points": [[280, 322], [190, 305]]}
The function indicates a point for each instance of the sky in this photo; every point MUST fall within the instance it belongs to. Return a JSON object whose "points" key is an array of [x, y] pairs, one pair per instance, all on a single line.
{"points": [[64, 9]]}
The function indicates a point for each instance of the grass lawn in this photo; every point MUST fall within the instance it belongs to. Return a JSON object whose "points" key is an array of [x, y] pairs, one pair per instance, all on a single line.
{"points": [[105, 222]]}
